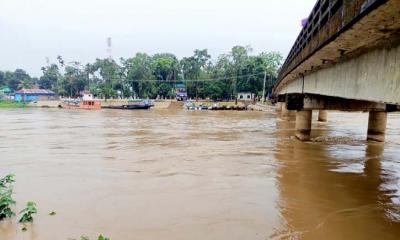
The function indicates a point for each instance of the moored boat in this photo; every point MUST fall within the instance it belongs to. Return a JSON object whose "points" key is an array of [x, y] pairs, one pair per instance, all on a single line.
{"points": [[143, 105], [87, 102], [128, 107]]}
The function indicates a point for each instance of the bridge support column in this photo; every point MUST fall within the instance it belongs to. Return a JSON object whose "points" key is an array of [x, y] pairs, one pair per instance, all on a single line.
{"points": [[278, 107], [287, 114], [377, 126], [322, 116], [303, 125]]}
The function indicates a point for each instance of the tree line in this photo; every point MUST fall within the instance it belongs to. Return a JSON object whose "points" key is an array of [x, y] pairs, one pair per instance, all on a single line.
{"points": [[152, 76]]}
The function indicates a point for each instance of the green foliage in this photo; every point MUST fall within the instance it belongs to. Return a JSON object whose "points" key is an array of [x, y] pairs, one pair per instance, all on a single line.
{"points": [[6, 200], [28, 212], [101, 237], [7, 181], [12, 104], [50, 78], [147, 76], [52, 213]]}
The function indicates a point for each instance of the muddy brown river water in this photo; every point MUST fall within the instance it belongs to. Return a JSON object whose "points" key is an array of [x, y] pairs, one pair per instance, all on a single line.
{"points": [[177, 175]]}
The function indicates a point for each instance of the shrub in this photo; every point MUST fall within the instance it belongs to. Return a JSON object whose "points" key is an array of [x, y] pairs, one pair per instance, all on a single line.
{"points": [[28, 212], [6, 200]]}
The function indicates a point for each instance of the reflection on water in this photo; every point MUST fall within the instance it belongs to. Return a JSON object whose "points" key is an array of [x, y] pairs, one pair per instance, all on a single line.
{"points": [[333, 191], [199, 175]]}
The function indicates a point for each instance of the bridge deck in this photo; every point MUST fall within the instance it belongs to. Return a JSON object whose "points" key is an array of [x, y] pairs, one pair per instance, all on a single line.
{"points": [[338, 31]]}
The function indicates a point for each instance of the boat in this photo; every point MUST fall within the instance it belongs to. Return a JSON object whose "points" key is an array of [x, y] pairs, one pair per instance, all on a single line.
{"points": [[87, 102], [143, 105], [128, 107]]}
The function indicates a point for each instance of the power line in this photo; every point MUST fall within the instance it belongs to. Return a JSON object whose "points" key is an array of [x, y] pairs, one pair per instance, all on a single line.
{"points": [[192, 80]]}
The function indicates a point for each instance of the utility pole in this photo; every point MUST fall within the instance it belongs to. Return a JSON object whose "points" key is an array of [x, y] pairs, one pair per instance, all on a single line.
{"points": [[265, 79]]}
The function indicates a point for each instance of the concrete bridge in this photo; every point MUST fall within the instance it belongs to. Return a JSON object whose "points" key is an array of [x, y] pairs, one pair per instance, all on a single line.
{"points": [[347, 57]]}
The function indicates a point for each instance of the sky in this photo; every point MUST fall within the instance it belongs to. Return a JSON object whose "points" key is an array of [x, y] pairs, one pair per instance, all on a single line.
{"points": [[33, 30]]}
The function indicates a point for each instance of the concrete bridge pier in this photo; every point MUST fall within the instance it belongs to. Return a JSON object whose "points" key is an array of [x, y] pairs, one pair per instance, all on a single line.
{"points": [[377, 126], [322, 116], [304, 104], [287, 114], [285, 111], [278, 106], [303, 124]]}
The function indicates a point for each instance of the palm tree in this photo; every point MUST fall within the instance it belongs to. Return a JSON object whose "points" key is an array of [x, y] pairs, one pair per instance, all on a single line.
{"points": [[25, 84]]}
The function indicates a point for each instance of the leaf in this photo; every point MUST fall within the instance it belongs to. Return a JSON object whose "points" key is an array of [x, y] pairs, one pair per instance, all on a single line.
{"points": [[102, 238], [7, 180], [52, 213], [28, 212]]}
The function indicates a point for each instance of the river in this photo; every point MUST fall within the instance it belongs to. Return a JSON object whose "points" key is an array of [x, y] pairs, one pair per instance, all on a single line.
{"points": [[176, 175]]}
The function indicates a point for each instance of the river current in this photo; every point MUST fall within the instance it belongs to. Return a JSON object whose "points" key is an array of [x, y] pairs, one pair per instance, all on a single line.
{"points": [[178, 175]]}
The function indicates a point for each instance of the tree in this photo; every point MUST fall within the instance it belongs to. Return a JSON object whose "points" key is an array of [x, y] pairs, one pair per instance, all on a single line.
{"points": [[2, 79], [50, 77], [73, 81], [18, 79], [139, 73], [148, 76], [194, 68], [165, 69], [111, 76]]}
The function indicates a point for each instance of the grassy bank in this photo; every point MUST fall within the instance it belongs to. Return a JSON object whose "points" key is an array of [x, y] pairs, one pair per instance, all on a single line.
{"points": [[12, 104]]}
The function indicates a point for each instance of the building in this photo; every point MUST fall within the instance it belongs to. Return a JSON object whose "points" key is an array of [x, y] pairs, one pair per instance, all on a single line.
{"points": [[245, 96], [180, 92], [31, 95], [5, 93]]}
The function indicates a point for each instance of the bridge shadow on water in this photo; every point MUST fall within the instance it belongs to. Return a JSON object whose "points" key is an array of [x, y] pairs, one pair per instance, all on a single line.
{"points": [[335, 191]]}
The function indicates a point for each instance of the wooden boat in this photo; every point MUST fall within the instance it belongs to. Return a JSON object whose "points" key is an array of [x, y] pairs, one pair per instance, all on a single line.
{"points": [[132, 105], [87, 102], [128, 107]]}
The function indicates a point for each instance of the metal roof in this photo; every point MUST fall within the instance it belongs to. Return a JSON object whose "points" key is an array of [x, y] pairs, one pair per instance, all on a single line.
{"points": [[35, 92]]}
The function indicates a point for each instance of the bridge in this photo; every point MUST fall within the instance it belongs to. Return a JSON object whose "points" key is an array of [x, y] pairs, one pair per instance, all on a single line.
{"points": [[347, 57]]}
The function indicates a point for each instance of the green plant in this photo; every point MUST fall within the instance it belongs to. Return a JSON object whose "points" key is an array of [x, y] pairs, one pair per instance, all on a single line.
{"points": [[6, 200], [102, 238], [6, 181], [52, 213], [28, 212]]}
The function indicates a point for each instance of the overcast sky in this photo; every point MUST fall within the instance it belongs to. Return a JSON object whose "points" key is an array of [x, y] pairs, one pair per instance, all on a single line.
{"points": [[31, 30]]}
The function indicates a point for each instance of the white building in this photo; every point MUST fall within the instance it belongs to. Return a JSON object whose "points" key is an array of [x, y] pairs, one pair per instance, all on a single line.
{"points": [[245, 96]]}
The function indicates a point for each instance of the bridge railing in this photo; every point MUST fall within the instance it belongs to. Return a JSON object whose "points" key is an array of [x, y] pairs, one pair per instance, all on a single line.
{"points": [[328, 19]]}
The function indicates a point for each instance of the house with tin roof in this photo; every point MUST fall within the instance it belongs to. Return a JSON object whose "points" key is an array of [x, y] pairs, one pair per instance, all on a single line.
{"points": [[32, 95]]}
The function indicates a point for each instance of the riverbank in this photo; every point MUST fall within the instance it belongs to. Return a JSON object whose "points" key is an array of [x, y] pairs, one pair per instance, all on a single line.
{"points": [[158, 104], [12, 104]]}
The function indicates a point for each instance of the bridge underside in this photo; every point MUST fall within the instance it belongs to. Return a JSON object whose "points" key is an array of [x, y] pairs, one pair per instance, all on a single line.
{"points": [[374, 76], [356, 70], [361, 63]]}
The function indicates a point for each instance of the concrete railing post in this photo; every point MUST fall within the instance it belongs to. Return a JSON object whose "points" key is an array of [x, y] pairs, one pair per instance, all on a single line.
{"points": [[303, 125], [322, 116], [377, 126]]}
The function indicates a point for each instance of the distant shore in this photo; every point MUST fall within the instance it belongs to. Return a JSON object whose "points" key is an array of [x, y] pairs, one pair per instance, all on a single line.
{"points": [[158, 104], [12, 104]]}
